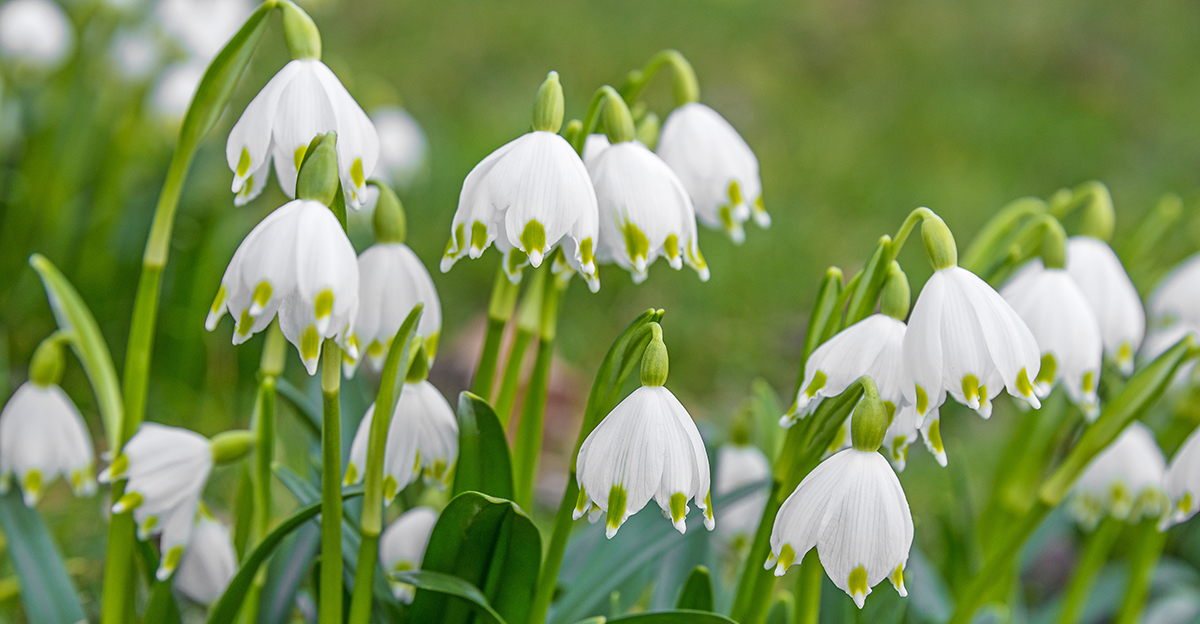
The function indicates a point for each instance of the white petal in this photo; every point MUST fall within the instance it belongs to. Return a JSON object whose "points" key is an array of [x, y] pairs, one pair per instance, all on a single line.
{"points": [[208, 564], [739, 466], [923, 348], [1099, 273], [1011, 346], [303, 112], [392, 281], [872, 346], [248, 149], [1130, 471], [357, 140]]}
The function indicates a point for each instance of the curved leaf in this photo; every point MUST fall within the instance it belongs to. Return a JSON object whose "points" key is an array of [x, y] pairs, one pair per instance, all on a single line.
{"points": [[451, 586], [310, 413], [697, 593], [484, 464], [286, 572], [491, 544], [46, 591], [679, 616], [622, 358]]}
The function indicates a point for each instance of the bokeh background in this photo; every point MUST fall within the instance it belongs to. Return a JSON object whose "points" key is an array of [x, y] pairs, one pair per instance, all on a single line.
{"points": [[858, 110]]}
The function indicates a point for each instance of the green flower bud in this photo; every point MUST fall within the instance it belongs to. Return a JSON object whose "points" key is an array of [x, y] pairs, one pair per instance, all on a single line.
{"points": [[318, 178], [231, 446], [870, 420], [896, 296], [1054, 243], [418, 371], [548, 111], [939, 242], [648, 130], [654, 360], [391, 226], [1098, 214], [303, 38], [46, 368], [618, 123], [574, 128]]}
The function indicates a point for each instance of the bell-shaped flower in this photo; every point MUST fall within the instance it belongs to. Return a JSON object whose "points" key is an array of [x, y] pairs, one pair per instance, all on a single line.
{"points": [[402, 547], [35, 34], [646, 448], [1095, 267], [528, 196], [901, 433], [209, 563], [299, 263], [1126, 480], [392, 281], [964, 339], [716, 166], [1182, 483], [301, 101], [740, 465], [1062, 321], [931, 433], [422, 439], [872, 347], [852, 509], [43, 436], [403, 148], [1174, 312], [166, 469], [645, 212]]}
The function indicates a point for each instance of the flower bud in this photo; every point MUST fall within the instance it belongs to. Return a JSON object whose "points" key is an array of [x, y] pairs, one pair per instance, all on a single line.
{"points": [[618, 123], [46, 368], [896, 296], [939, 243], [1054, 244], [303, 38], [654, 360], [418, 371], [318, 177], [870, 421], [231, 446], [1098, 214], [648, 130], [389, 220], [548, 111]]}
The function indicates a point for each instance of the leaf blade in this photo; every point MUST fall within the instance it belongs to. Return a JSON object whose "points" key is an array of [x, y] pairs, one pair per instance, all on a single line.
{"points": [[484, 463], [46, 590]]}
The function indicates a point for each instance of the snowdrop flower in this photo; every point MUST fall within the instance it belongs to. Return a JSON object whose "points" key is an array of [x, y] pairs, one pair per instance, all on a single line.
{"points": [[1183, 483], [528, 196], [739, 465], [646, 448], [402, 547], [422, 439], [301, 101], [1058, 314], [931, 433], [716, 166], [43, 436], [209, 563], [299, 263], [1118, 308], [1175, 311], [392, 281], [852, 509], [166, 469], [403, 148], [1126, 480], [902, 432], [35, 34]]}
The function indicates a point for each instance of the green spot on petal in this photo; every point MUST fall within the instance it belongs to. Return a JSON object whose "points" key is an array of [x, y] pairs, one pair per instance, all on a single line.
{"points": [[219, 300], [787, 556], [735, 193], [31, 484], [678, 506], [262, 293], [616, 507], [171, 560], [533, 237], [323, 304], [356, 172], [1089, 381], [390, 487], [671, 246], [587, 254], [243, 163], [478, 235], [1023, 385], [818, 382], [970, 388], [1048, 370], [581, 500], [310, 344], [858, 581], [922, 400], [636, 243], [351, 474], [935, 436], [298, 156]]}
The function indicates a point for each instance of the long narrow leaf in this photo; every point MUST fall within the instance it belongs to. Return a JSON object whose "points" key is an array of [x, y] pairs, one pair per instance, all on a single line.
{"points": [[310, 413], [46, 592], [484, 464], [679, 616], [453, 586]]}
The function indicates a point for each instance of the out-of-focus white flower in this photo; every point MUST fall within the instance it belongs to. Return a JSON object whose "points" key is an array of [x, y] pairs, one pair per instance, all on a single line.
{"points": [[1176, 300], [299, 263], [646, 448], [717, 167], [901, 433], [964, 339], [402, 547], [739, 465], [173, 93], [422, 438], [403, 148], [1126, 480], [43, 436], [528, 196], [35, 34], [209, 563], [136, 55], [1061, 319], [302, 100], [852, 509], [202, 27], [644, 210], [392, 281], [1095, 267], [931, 433], [166, 468], [1177, 608], [1183, 482]]}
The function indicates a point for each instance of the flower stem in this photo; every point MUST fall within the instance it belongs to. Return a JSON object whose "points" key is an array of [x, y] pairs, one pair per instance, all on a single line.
{"points": [[808, 589], [330, 608], [529, 319], [592, 118], [998, 565], [500, 309], [686, 87], [533, 411], [1143, 559], [270, 368], [1095, 554]]}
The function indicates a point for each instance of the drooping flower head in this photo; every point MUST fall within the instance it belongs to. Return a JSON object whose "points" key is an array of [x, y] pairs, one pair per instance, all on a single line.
{"points": [[209, 563], [392, 281], [869, 347], [1182, 483], [1118, 308], [1125, 481], [35, 34], [403, 148], [301, 101], [740, 465], [299, 263], [1174, 311], [402, 547]]}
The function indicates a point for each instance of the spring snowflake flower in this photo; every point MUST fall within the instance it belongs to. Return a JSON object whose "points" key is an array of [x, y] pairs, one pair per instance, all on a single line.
{"points": [[301, 101], [1067, 332], [903, 431], [392, 281], [299, 263], [1095, 267], [1174, 311], [1183, 483], [43, 436], [716, 166], [869, 347], [209, 563], [166, 469], [739, 465], [403, 148], [35, 34], [422, 438], [402, 547], [1126, 480]]}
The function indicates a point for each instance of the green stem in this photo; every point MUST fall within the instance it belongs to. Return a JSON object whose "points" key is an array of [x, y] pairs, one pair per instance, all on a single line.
{"points": [[548, 579], [529, 319], [808, 589], [592, 118], [1143, 559], [998, 566], [686, 87], [533, 411], [500, 309], [915, 217], [1095, 554], [330, 607], [270, 368]]}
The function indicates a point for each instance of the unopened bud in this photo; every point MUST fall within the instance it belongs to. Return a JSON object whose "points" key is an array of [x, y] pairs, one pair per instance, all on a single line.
{"points": [[618, 123], [548, 111], [46, 368], [870, 420], [896, 296], [318, 178], [939, 242], [654, 359], [391, 226], [231, 446], [303, 38]]}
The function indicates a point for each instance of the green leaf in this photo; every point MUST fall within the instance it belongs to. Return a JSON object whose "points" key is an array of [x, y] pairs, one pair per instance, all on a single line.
{"points": [[483, 464], [46, 591], [73, 317], [783, 609], [697, 594], [310, 413], [286, 572], [491, 544], [679, 616], [866, 294], [622, 358], [243, 511], [451, 586]]}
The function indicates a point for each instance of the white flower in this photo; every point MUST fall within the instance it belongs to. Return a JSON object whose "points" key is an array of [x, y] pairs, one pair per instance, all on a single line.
{"points": [[299, 263], [931, 433], [717, 167], [593, 145], [173, 93], [43, 436], [1174, 312], [392, 281], [964, 339], [36, 34], [422, 438], [869, 347], [135, 55], [739, 465], [301, 101], [1098, 271], [209, 563], [402, 547], [528, 196], [900, 434], [1061, 319], [644, 211], [852, 509], [646, 448], [166, 468], [403, 148], [202, 27], [1125, 480], [1183, 482]]}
